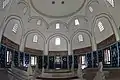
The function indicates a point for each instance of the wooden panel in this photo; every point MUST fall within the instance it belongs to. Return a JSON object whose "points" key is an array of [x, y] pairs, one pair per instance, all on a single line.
{"points": [[9, 43], [61, 53], [82, 50], [33, 51], [106, 42]]}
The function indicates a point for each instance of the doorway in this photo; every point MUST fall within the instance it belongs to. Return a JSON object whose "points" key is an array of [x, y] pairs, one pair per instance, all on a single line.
{"points": [[58, 62]]}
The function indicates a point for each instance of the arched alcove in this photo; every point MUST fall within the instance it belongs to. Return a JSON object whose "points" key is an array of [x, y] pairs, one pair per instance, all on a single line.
{"points": [[34, 41], [58, 26], [81, 43], [38, 44], [58, 45], [92, 8], [61, 47], [13, 31], [107, 32]]}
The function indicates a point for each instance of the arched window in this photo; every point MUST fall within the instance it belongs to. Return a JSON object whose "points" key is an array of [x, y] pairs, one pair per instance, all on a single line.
{"points": [[83, 60], [33, 60], [57, 41], [100, 26], [80, 38], [91, 9], [57, 26], [35, 38], [107, 56], [9, 57], [38, 22], [111, 2], [15, 28], [77, 22]]}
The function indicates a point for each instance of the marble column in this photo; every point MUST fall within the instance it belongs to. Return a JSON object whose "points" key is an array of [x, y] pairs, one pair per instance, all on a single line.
{"points": [[100, 74], [46, 49], [29, 70]]}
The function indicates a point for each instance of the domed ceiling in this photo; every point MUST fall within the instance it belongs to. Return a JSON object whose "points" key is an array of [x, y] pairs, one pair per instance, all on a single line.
{"points": [[57, 8]]}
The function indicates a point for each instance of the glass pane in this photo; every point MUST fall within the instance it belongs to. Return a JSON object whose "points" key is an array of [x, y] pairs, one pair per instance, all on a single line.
{"points": [[77, 22], [83, 59], [38, 22], [57, 26], [80, 38], [57, 41], [107, 56], [101, 27], [35, 38], [7, 56], [91, 9], [32, 60], [15, 27]]}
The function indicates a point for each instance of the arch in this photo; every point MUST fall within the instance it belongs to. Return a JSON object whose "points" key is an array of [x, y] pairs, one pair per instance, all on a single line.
{"points": [[13, 17], [92, 1], [89, 3], [84, 31], [34, 31], [30, 32], [58, 34], [81, 30], [55, 35], [110, 20], [38, 18], [58, 21], [25, 3], [6, 21], [78, 16]]}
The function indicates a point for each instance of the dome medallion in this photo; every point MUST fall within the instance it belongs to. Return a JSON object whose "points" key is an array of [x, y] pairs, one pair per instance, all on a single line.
{"points": [[57, 8]]}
